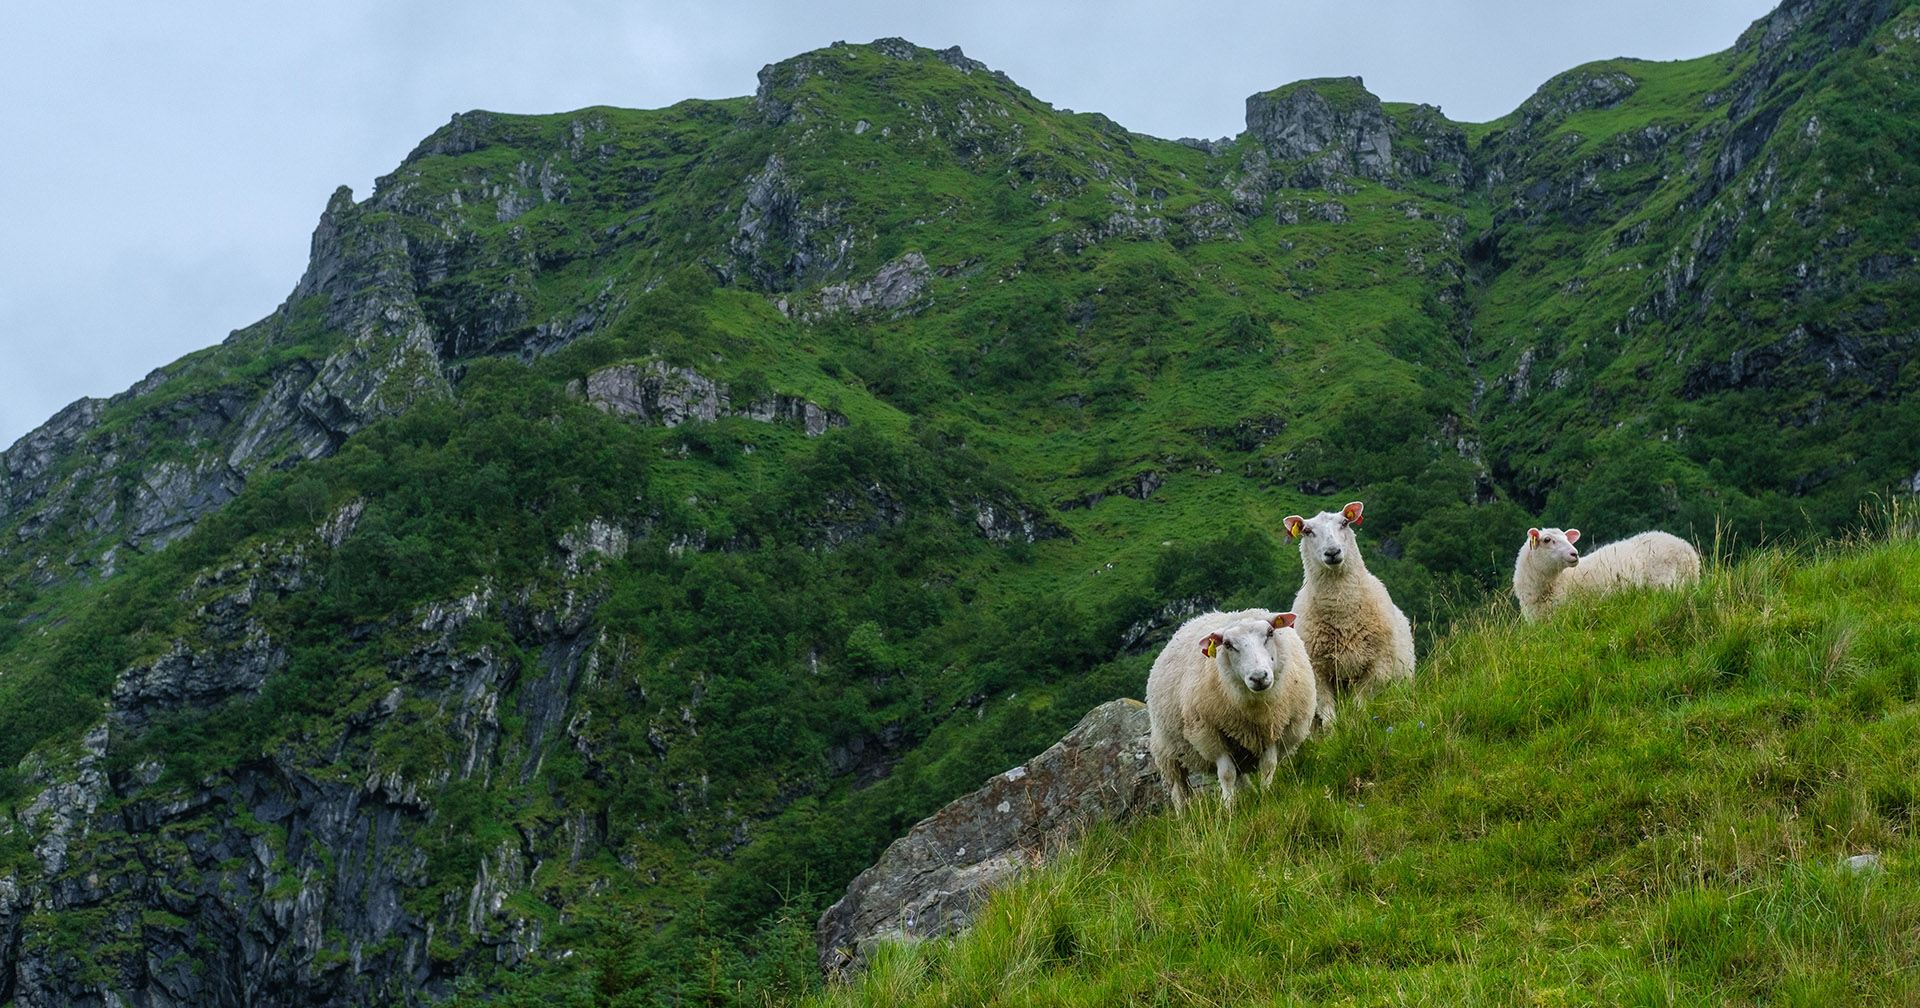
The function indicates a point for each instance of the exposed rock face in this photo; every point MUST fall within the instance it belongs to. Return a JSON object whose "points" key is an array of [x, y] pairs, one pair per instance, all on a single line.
{"points": [[1007, 522], [659, 393], [201, 447], [1830, 355], [780, 241], [1336, 123], [897, 285], [283, 881], [1315, 133], [929, 882]]}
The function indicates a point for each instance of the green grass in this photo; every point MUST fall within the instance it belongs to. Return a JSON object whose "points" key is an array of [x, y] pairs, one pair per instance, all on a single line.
{"points": [[1644, 800]]}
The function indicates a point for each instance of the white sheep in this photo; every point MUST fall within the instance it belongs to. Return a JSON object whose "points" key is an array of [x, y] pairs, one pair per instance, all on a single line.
{"points": [[1356, 637], [1549, 567], [1231, 693]]}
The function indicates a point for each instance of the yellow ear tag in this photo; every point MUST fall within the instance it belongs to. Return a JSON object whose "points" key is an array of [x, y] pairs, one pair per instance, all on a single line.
{"points": [[1211, 645]]}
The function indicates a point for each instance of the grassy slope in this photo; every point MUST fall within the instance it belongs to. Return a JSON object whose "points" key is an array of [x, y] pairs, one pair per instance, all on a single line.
{"points": [[1641, 801]]}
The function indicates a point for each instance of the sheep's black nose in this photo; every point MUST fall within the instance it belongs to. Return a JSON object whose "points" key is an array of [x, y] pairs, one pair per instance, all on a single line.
{"points": [[1332, 555]]}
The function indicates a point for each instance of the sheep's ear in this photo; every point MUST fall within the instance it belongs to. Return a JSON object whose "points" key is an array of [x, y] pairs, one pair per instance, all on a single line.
{"points": [[1293, 524], [1352, 512], [1284, 619], [1211, 644], [1573, 536], [1533, 537]]}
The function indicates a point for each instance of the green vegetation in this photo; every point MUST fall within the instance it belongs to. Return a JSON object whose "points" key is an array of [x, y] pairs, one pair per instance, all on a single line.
{"points": [[1126, 362], [1647, 800]]}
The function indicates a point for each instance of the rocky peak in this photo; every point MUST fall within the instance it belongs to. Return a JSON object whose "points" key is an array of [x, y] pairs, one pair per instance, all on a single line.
{"points": [[1312, 134], [1595, 86], [1825, 26], [464, 133], [326, 256], [1333, 123], [778, 97]]}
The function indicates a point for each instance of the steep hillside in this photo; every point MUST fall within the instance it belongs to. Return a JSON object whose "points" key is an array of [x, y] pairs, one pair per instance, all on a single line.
{"points": [[1705, 796], [635, 519], [1696, 277]]}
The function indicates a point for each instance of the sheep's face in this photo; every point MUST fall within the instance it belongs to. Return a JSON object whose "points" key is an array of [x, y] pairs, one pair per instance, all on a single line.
{"points": [[1327, 538], [1551, 545], [1244, 653]]}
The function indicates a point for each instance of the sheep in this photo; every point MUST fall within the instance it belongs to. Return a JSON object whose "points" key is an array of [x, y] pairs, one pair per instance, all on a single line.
{"points": [[1549, 567], [1358, 640], [1230, 693]]}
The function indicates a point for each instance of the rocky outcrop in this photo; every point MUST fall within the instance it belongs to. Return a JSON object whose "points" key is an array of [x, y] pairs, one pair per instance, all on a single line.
{"points": [[1323, 129], [374, 356], [1834, 356], [780, 240], [1139, 486], [929, 882], [894, 289], [1315, 134], [294, 876], [659, 393]]}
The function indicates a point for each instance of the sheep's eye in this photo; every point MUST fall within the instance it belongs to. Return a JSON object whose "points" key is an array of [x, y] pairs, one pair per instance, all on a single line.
{"points": [[1229, 645], [1306, 531]]}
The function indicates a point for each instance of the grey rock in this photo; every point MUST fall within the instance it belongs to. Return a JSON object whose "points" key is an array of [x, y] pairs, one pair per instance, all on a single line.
{"points": [[895, 286], [780, 242], [659, 393], [23, 465], [185, 677], [295, 877], [1326, 127], [1862, 864], [929, 882], [1007, 521], [599, 538]]}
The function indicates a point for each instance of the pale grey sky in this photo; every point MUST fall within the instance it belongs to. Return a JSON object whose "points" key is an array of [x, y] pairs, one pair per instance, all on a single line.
{"points": [[164, 163]]}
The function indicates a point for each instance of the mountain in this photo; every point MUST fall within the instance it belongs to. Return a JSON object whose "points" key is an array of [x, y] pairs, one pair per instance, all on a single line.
{"points": [[633, 520]]}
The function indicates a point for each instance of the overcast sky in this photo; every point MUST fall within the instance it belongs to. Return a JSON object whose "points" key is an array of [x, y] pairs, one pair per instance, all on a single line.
{"points": [[163, 164]]}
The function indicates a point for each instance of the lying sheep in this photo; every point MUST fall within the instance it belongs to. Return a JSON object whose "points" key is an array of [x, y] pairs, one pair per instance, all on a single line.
{"points": [[1549, 567], [1231, 693], [1357, 638]]}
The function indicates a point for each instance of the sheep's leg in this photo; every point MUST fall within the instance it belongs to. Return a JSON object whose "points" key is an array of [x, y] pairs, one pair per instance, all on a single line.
{"points": [[1229, 778], [1368, 682], [1269, 762], [1322, 702], [1176, 777]]}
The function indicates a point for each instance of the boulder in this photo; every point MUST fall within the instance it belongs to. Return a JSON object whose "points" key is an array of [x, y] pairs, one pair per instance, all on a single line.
{"points": [[929, 882]]}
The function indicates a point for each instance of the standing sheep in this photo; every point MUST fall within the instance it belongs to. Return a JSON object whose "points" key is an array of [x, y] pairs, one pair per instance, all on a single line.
{"points": [[1549, 567], [1230, 693], [1357, 638]]}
